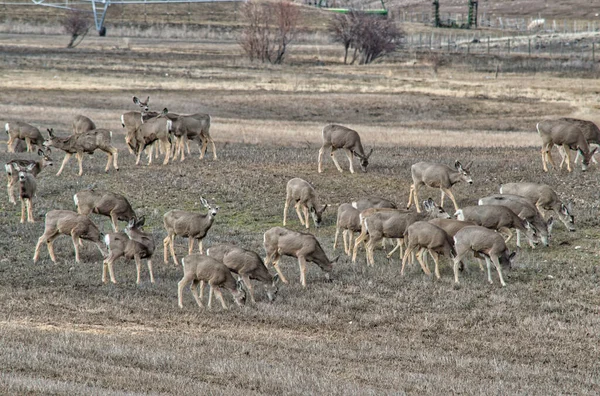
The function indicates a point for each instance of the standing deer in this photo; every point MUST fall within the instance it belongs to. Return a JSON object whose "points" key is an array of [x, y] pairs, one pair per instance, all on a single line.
{"points": [[27, 187], [499, 218], [68, 223], [424, 236], [86, 142], [198, 269], [300, 191], [339, 137], [373, 202], [133, 119], [279, 241], [82, 124], [105, 203], [21, 130], [133, 244], [590, 131], [154, 129], [12, 173], [377, 224], [563, 133], [348, 219], [187, 224], [248, 265], [544, 198], [193, 127], [525, 210], [437, 176], [483, 242]]}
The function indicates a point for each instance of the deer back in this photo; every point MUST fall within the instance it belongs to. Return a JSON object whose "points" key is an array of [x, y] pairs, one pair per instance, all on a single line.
{"points": [[241, 261], [348, 217], [451, 226], [82, 124], [206, 268], [23, 130], [373, 202], [427, 235], [480, 239], [191, 125], [185, 223]]}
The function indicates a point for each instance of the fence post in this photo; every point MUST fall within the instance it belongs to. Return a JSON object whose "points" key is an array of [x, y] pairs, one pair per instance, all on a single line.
{"points": [[529, 46], [593, 53], [488, 45], [508, 43]]}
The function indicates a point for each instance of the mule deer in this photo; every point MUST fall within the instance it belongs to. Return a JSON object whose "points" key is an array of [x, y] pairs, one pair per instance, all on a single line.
{"points": [[86, 142], [198, 269], [154, 129], [499, 218], [279, 241], [193, 127], [248, 265], [187, 224], [387, 223], [300, 191], [544, 198], [133, 244], [22, 130], [590, 131], [563, 133], [27, 187], [437, 176], [525, 210], [68, 223], [12, 173], [373, 202], [451, 226], [348, 219], [133, 119], [483, 242], [340, 137], [82, 124], [105, 203], [425, 236]]}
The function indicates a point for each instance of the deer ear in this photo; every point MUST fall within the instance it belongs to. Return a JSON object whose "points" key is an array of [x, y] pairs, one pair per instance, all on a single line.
{"points": [[136, 100], [140, 222], [324, 207], [31, 166], [50, 132], [147, 100], [457, 165], [165, 111], [275, 278], [40, 151], [368, 155], [203, 202], [335, 260], [131, 223], [512, 256], [239, 285], [468, 166]]}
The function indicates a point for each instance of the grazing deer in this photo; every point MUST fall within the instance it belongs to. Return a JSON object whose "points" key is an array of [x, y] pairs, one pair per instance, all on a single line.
{"points": [[193, 127], [133, 244], [68, 223], [187, 224], [300, 191], [563, 133], [377, 224], [483, 242], [154, 129], [424, 236], [339, 137], [198, 269], [544, 198], [82, 124], [437, 176], [21, 130], [279, 241], [590, 131], [525, 210], [12, 173], [248, 265], [86, 142], [18, 146], [348, 219], [27, 187], [451, 226], [499, 218], [373, 202], [105, 203]]}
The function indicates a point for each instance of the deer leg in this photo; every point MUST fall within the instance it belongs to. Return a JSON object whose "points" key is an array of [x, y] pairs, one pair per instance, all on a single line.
{"points": [[497, 264], [422, 261], [9, 146], [246, 279], [194, 288], [506, 233], [398, 246], [23, 204], [219, 295], [76, 246], [350, 236], [138, 267], [172, 248], [370, 248], [306, 223], [28, 144], [416, 198], [561, 151], [115, 156], [410, 196], [30, 218], [79, 157], [549, 158], [203, 148], [285, 210], [337, 165], [149, 265], [407, 253], [436, 259], [180, 286], [114, 220], [349, 155], [449, 193], [276, 266], [489, 270], [363, 235], [302, 264], [105, 269], [190, 245], [568, 155], [210, 295], [10, 189], [320, 160], [335, 239], [457, 261], [297, 206], [167, 151], [200, 246], [44, 238], [165, 247], [111, 271], [212, 143], [65, 160]]}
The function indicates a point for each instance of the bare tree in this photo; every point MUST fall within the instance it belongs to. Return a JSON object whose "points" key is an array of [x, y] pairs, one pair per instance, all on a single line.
{"points": [[77, 25]]}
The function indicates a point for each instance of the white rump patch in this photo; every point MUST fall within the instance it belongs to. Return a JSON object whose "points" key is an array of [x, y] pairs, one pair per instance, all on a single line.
{"points": [[76, 200], [7, 127], [183, 262], [123, 120], [460, 215], [480, 202], [207, 252], [355, 205], [8, 169], [107, 239], [500, 191]]}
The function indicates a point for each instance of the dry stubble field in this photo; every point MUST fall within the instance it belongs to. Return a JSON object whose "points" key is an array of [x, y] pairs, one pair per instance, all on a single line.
{"points": [[367, 332]]}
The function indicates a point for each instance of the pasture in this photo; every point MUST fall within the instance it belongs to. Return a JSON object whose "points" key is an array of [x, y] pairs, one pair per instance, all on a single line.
{"points": [[367, 332]]}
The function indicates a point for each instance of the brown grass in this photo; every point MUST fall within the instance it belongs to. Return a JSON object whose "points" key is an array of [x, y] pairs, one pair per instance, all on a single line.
{"points": [[367, 332]]}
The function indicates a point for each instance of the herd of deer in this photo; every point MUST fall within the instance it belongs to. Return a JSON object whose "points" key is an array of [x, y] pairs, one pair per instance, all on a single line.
{"points": [[483, 229]]}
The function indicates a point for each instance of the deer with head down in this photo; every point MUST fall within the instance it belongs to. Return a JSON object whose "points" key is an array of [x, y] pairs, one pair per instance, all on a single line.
{"points": [[82, 124], [423, 236], [300, 191], [197, 269], [590, 131], [248, 265], [279, 241], [68, 223], [133, 244], [23, 131], [12, 173], [105, 203], [86, 142], [340, 137], [194, 226], [437, 176], [567, 134]]}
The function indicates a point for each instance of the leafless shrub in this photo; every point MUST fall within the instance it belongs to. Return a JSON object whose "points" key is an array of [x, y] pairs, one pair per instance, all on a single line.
{"points": [[269, 30], [77, 24]]}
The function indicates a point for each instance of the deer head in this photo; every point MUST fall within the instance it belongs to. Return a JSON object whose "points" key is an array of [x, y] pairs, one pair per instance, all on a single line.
{"points": [[143, 105], [364, 160], [272, 289], [317, 214], [587, 158], [464, 171], [239, 295], [434, 210], [212, 210]]}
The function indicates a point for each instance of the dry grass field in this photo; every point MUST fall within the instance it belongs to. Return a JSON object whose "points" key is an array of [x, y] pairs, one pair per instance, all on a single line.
{"points": [[369, 331]]}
